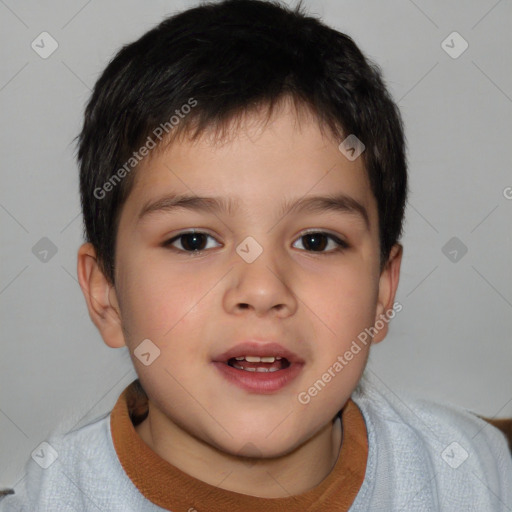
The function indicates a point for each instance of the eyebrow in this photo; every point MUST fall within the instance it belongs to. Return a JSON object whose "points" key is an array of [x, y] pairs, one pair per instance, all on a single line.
{"points": [[341, 203], [174, 202]]}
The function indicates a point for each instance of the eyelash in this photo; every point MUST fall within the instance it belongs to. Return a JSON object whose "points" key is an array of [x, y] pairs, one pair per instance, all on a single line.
{"points": [[342, 245]]}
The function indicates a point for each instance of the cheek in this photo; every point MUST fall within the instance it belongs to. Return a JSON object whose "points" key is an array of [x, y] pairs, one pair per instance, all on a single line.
{"points": [[161, 301], [343, 302], [159, 304], [342, 307]]}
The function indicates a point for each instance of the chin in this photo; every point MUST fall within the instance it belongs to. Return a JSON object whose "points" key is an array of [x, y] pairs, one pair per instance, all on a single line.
{"points": [[259, 445], [260, 450]]}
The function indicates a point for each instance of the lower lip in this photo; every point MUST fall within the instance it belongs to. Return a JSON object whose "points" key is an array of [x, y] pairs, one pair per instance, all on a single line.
{"points": [[259, 382]]}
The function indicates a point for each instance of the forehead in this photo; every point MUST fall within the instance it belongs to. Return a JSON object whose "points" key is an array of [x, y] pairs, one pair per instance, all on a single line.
{"points": [[263, 163]]}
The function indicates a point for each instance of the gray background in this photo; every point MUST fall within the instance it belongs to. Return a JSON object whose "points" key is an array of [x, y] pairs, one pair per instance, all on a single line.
{"points": [[451, 342]]}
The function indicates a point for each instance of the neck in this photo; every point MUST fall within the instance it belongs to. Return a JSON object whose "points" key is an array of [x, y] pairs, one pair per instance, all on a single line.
{"points": [[290, 474]]}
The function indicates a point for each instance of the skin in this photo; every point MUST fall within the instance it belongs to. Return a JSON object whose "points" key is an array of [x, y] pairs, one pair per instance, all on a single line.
{"points": [[194, 307]]}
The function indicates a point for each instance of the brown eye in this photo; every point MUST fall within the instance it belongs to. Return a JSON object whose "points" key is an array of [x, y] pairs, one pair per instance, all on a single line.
{"points": [[315, 241], [192, 241], [318, 241]]}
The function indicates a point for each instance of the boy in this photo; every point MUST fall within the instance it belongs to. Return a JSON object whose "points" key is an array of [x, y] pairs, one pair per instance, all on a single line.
{"points": [[269, 138]]}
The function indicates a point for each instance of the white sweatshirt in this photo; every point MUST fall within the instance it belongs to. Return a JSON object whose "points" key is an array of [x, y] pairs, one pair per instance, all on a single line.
{"points": [[422, 456]]}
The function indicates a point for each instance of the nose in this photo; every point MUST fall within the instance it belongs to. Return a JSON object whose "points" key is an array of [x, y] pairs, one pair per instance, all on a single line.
{"points": [[262, 287]]}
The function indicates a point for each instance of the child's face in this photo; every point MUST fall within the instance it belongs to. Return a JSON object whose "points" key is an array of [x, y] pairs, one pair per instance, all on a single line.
{"points": [[197, 307]]}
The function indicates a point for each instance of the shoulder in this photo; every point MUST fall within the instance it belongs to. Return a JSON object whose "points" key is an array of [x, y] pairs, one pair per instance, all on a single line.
{"points": [[448, 449], [75, 470], [427, 419]]}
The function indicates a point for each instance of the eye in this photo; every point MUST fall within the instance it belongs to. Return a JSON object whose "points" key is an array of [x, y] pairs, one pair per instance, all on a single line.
{"points": [[318, 241], [191, 241]]}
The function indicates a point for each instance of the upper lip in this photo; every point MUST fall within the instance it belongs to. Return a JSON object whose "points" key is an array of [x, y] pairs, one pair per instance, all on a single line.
{"points": [[264, 349]]}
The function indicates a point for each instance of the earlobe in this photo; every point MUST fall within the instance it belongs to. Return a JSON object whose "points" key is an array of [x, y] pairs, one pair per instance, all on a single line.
{"points": [[388, 284], [99, 295]]}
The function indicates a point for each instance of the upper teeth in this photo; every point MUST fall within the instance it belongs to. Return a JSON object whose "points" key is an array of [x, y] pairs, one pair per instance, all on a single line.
{"points": [[258, 359]]}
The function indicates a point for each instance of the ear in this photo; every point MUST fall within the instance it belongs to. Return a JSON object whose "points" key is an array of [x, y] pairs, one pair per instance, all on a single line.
{"points": [[100, 296], [388, 283]]}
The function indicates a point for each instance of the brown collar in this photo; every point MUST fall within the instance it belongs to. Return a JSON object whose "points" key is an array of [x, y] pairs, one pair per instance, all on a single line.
{"points": [[170, 488]]}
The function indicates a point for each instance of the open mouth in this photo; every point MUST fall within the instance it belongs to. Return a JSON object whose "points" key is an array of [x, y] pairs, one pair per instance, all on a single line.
{"points": [[259, 368], [265, 364]]}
